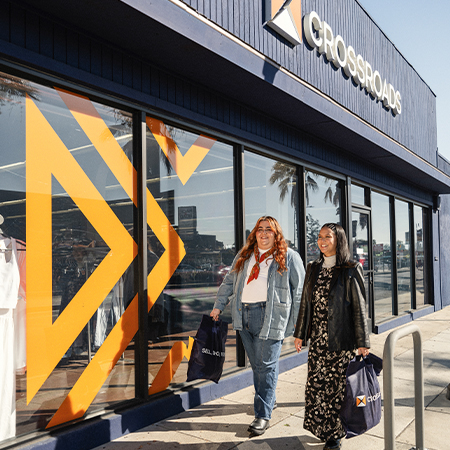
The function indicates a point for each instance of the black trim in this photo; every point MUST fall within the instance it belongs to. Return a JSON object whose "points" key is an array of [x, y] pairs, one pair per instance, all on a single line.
{"points": [[412, 255], [141, 348], [393, 255], [346, 213], [301, 218], [239, 227]]}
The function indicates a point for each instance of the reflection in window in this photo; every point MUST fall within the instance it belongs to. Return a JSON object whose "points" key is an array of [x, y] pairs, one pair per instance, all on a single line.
{"points": [[358, 195], [382, 257], [420, 260], [77, 247], [403, 256], [323, 205], [271, 190], [198, 200], [360, 238]]}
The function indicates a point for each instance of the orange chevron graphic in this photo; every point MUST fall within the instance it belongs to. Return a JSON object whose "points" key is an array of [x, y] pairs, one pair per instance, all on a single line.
{"points": [[170, 366], [39, 201], [184, 166], [46, 156]]}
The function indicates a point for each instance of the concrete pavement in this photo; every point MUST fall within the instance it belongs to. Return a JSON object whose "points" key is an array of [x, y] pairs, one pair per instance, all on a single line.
{"points": [[222, 423]]}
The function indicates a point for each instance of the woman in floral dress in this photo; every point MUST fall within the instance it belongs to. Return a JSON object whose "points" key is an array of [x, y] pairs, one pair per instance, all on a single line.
{"points": [[332, 314]]}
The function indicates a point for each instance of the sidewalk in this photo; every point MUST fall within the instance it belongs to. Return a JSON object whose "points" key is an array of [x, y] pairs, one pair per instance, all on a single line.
{"points": [[222, 423]]}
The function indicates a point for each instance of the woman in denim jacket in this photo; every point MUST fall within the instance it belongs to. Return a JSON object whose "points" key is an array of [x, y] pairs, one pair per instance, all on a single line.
{"points": [[264, 289]]}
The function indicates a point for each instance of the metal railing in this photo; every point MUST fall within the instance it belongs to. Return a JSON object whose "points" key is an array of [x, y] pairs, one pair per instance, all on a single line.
{"points": [[388, 386]]}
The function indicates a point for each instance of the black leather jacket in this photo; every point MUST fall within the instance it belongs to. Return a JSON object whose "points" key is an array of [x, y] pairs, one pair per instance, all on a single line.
{"points": [[347, 325]]}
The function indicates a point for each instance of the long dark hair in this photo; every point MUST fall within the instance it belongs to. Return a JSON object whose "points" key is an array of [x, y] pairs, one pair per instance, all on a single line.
{"points": [[249, 247], [342, 249]]}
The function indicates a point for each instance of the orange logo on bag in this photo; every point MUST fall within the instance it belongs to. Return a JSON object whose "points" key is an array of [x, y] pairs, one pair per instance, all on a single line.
{"points": [[361, 401]]}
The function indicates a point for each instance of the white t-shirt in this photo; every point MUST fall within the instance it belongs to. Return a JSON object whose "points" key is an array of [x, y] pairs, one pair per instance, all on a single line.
{"points": [[256, 290]]}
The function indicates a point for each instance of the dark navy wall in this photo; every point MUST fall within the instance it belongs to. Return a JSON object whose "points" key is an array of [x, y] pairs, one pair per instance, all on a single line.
{"points": [[55, 47], [346, 17]]}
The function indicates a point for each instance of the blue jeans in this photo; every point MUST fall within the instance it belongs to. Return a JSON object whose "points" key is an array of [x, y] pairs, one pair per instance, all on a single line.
{"points": [[263, 355]]}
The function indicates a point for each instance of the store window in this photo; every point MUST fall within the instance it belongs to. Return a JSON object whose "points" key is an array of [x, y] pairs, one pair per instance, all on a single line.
{"points": [[190, 186], [271, 189], [323, 205], [403, 253], [382, 257], [66, 201], [360, 246], [358, 195], [420, 259]]}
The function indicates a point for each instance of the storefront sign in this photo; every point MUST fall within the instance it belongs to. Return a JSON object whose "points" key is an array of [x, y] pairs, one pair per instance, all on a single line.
{"points": [[285, 18], [320, 35]]}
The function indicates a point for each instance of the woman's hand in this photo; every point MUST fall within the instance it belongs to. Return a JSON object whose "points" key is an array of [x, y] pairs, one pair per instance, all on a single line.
{"points": [[298, 344], [215, 314], [363, 351]]}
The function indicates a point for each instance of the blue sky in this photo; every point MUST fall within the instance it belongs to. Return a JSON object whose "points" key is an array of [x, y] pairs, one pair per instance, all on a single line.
{"points": [[419, 30]]}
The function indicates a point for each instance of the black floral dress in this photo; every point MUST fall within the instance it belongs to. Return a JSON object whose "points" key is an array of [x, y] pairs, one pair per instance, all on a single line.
{"points": [[326, 370]]}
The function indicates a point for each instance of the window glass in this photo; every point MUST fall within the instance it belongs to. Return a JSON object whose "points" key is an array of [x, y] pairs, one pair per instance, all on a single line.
{"points": [[271, 190], [382, 257], [419, 260], [68, 214], [191, 240], [360, 235], [403, 256], [323, 205], [360, 241], [358, 196]]}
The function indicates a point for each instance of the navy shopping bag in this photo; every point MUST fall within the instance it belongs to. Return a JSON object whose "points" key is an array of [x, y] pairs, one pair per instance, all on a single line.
{"points": [[361, 409], [208, 351]]}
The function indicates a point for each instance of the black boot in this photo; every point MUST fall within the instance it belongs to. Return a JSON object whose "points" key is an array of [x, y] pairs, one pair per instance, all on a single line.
{"points": [[332, 444], [258, 426]]}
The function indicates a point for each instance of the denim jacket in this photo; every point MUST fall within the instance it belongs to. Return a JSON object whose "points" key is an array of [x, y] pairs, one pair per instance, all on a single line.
{"points": [[284, 292]]}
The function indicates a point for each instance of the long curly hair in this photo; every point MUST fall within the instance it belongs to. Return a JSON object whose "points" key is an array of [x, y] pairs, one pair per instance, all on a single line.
{"points": [[249, 248]]}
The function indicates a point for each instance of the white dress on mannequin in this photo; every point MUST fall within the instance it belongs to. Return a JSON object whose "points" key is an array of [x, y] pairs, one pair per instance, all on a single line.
{"points": [[9, 293]]}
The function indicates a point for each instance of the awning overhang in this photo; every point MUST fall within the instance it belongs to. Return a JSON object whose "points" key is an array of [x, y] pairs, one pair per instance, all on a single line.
{"points": [[176, 38]]}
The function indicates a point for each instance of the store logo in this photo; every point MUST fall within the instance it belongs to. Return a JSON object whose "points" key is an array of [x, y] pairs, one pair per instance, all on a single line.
{"points": [[319, 35], [47, 157], [285, 17], [373, 398], [361, 401]]}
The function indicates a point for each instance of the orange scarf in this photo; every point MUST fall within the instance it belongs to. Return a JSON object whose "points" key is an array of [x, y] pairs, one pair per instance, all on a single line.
{"points": [[259, 259]]}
